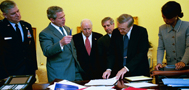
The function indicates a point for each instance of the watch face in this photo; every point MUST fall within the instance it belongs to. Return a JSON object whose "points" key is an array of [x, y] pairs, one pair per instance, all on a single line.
{"points": [[18, 80]]}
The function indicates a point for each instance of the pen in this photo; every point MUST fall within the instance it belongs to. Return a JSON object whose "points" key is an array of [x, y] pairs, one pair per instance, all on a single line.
{"points": [[70, 32]]}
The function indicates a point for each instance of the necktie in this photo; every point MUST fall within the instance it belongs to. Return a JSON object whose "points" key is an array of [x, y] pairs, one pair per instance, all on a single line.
{"points": [[62, 31], [18, 32], [125, 46], [87, 46]]}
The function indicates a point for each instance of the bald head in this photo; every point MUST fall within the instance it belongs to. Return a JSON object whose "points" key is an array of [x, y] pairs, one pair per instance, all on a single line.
{"points": [[86, 27]]}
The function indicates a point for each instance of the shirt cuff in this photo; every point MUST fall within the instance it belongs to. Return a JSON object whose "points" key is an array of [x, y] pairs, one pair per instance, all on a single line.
{"points": [[126, 68], [62, 47], [109, 69]]}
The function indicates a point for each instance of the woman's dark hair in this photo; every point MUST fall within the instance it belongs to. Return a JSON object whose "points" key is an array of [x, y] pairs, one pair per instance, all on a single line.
{"points": [[172, 9]]}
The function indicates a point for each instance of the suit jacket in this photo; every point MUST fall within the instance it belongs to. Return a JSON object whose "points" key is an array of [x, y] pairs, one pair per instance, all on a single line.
{"points": [[88, 63], [175, 41], [17, 58], [61, 64], [138, 45], [103, 47]]}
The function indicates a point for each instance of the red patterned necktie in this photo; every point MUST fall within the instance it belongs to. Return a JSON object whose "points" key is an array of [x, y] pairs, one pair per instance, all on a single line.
{"points": [[87, 46]]}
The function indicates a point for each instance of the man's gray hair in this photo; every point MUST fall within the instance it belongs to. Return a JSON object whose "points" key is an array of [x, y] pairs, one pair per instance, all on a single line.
{"points": [[125, 18], [6, 5], [86, 20]]}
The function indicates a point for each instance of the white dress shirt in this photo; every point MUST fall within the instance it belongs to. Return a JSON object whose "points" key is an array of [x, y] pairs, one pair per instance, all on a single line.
{"points": [[57, 28], [90, 39], [20, 27]]}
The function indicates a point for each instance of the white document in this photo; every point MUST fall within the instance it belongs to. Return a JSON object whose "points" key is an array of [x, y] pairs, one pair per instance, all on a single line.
{"points": [[140, 84], [138, 78], [65, 82], [100, 88], [110, 81]]}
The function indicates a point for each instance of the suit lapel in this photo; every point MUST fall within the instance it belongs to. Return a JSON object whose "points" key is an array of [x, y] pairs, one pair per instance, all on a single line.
{"points": [[81, 42], [94, 41], [120, 42], [107, 38], [25, 30], [59, 35], [67, 30], [55, 31], [9, 27], [132, 39]]}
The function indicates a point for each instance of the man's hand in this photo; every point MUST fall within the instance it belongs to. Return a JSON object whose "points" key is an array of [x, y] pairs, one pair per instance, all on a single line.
{"points": [[106, 74], [121, 73], [158, 66], [120, 84], [179, 65], [65, 40]]}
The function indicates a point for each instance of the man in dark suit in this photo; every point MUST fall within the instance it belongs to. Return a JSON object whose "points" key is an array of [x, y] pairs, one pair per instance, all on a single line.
{"points": [[18, 54], [104, 42], [128, 50], [86, 47], [58, 47]]}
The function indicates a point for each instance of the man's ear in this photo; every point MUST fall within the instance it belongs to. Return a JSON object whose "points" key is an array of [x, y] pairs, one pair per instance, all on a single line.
{"points": [[113, 24], [5, 15], [52, 20]]}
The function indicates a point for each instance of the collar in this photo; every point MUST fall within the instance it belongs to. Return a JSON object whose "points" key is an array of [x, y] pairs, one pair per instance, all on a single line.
{"points": [[177, 26], [129, 33], [84, 37], [110, 35], [57, 27], [13, 25]]}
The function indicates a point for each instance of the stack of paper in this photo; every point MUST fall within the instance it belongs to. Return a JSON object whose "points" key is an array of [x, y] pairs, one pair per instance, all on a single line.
{"points": [[110, 81], [176, 82], [140, 84], [138, 78]]}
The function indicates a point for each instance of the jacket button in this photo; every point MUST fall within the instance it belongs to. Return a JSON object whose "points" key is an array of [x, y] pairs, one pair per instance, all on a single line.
{"points": [[173, 51], [173, 36], [173, 44]]}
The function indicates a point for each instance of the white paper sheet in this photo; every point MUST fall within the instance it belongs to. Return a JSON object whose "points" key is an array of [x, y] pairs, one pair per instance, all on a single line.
{"points": [[140, 84], [100, 88], [110, 81], [65, 82]]}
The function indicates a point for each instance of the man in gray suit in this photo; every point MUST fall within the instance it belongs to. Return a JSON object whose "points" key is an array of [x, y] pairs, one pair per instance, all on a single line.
{"points": [[59, 48]]}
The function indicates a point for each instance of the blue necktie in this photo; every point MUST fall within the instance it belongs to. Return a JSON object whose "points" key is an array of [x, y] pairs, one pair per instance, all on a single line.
{"points": [[125, 46], [62, 31]]}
